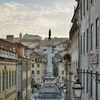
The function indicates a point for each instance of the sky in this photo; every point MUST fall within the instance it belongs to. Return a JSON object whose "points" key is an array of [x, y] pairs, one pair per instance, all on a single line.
{"points": [[36, 17]]}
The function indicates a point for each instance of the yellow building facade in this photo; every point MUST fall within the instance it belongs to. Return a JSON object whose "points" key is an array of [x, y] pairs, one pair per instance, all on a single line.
{"points": [[7, 75], [37, 71], [61, 71]]}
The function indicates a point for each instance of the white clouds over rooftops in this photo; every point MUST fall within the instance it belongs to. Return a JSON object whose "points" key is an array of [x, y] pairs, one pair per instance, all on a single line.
{"points": [[16, 18]]}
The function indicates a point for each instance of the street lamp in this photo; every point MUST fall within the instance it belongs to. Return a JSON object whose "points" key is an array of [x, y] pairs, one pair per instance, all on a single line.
{"points": [[77, 89], [64, 88]]}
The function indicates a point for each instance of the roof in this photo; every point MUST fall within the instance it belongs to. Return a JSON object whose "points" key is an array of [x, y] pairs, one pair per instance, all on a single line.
{"points": [[34, 55], [5, 43]]}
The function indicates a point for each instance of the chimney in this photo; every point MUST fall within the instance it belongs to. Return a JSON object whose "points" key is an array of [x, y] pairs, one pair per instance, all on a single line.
{"points": [[10, 38], [20, 35]]}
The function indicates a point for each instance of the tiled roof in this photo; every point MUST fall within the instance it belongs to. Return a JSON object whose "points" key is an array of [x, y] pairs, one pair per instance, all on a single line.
{"points": [[6, 43]]}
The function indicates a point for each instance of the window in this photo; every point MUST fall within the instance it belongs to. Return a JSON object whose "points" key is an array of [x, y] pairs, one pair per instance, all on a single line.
{"points": [[10, 48], [62, 66], [84, 42], [32, 72], [83, 7], [6, 79], [38, 78], [38, 59], [62, 71], [91, 93], [81, 11], [15, 77], [97, 31], [0, 82], [91, 36], [91, 1], [38, 65], [81, 44], [32, 65], [96, 86], [84, 79], [10, 79], [3, 81], [87, 82], [87, 40], [81, 77], [87, 5], [62, 78], [38, 72]]}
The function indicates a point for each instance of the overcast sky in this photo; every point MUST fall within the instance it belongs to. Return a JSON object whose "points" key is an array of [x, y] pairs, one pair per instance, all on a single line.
{"points": [[36, 17]]}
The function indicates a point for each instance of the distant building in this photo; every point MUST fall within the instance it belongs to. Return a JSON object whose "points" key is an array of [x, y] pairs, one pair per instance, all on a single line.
{"points": [[29, 40], [60, 69], [37, 68]]}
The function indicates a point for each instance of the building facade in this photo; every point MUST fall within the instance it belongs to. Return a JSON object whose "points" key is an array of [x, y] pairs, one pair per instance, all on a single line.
{"points": [[74, 37], [37, 69], [23, 69], [90, 48], [8, 74]]}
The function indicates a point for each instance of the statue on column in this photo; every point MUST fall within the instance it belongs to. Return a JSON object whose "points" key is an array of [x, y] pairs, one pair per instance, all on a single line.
{"points": [[49, 34]]}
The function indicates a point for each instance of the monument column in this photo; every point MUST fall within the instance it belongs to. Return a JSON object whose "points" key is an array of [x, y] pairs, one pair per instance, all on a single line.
{"points": [[49, 64]]}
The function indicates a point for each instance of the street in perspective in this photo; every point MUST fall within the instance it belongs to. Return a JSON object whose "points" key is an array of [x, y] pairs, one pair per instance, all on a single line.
{"points": [[49, 50]]}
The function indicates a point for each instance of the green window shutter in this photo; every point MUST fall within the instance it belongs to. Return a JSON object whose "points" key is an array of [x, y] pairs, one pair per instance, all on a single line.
{"points": [[87, 40], [84, 43], [87, 82], [97, 31], [87, 5], [91, 86], [81, 44], [81, 11], [91, 1], [84, 8], [84, 79], [91, 35], [81, 77], [96, 86]]}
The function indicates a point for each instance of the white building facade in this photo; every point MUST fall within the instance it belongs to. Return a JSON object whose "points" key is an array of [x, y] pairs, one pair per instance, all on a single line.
{"points": [[89, 48]]}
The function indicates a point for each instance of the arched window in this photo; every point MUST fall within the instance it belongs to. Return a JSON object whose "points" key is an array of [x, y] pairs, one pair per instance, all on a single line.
{"points": [[12, 78], [9, 79], [6, 79], [3, 81]]}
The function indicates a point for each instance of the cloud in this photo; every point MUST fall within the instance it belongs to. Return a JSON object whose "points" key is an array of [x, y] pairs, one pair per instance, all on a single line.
{"points": [[16, 18]]}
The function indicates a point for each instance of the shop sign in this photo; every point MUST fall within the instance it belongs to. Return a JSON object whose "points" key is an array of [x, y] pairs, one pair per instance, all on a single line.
{"points": [[93, 59]]}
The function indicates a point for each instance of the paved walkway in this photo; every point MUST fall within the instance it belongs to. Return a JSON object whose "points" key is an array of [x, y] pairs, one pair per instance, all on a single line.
{"points": [[35, 94]]}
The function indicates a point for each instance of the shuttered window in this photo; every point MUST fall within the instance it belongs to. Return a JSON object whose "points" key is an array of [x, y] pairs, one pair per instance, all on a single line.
{"points": [[91, 36], [84, 42], [81, 44], [87, 82], [83, 7], [84, 79], [97, 31], [87, 40], [87, 5], [81, 11], [91, 91], [96, 86], [3, 81]]}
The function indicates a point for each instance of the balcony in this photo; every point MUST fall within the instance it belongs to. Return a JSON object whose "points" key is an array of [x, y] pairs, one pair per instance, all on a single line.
{"points": [[4, 53]]}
